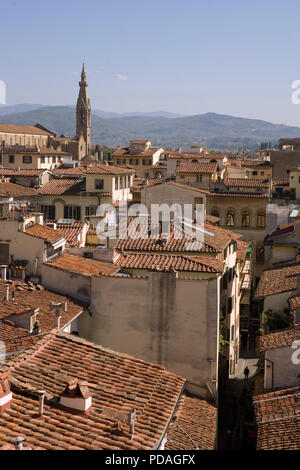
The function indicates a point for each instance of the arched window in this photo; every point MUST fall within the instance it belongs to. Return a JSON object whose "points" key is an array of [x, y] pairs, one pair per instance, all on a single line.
{"points": [[260, 254], [230, 218], [245, 218], [215, 213], [261, 219]]}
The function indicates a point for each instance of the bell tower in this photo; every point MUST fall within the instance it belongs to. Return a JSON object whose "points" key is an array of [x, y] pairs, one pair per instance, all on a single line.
{"points": [[83, 112]]}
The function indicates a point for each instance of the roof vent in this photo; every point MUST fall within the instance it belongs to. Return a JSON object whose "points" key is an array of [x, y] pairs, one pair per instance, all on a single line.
{"points": [[19, 442], [76, 396], [5, 393]]}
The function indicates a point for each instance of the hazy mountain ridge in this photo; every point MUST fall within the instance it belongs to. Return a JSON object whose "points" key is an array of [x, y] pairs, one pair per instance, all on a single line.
{"points": [[217, 131]]}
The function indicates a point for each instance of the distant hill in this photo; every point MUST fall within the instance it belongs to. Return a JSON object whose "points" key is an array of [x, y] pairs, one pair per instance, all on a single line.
{"points": [[18, 108], [218, 131], [107, 115]]}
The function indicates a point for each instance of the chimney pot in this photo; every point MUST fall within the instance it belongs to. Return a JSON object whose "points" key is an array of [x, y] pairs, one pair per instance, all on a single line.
{"points": [[132, 421], [7, 292], [19, 442], [41, 401]]}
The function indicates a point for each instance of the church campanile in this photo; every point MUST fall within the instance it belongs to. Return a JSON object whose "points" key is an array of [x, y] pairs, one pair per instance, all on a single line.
{"points": [[83, 112]]}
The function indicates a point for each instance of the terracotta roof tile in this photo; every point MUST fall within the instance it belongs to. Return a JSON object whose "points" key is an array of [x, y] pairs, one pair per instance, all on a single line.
{"points": [[242, 248], [199, 167], [71, 232], [16, 339], [61, 186], [215, 240], [21, 172], [278, 339], [15, 190], [45, 233], [247, 182], [278, 420], [211, 219], [194, 426], [80, 265], [16, 129], [126, 152], [28, 298], [117, 382], [281, 230], [275, 281], [96, 169], [164, 262], [194, 156]]}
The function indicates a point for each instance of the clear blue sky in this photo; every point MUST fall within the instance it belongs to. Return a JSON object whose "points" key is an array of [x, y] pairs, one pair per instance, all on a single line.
{"points": [[234, 57]]}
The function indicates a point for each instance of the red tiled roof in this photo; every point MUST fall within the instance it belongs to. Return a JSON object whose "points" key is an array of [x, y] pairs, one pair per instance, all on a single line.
{"points": [[168, 263], [126, 152], [242, 248], [233, 193], [59, 186], [21, 172], [211, 219], [194, 156], [215, 240], [96, 169], [278, 339], [80, 265], [45, 233], [70, 232], [280, 230], [16, 129], [117, 382], [194, 426], [28, 298], [199, 167], [278, 419], [247, 182], [15, 190], [275, 281], [16, 339]]}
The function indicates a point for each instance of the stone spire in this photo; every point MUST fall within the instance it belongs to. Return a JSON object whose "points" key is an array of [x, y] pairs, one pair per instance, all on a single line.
{"points": [[83, 112]]}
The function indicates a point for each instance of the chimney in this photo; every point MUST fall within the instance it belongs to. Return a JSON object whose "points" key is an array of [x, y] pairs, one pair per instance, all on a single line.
{"points": [[58, 307], [132, 421], [36, 330], [41, 401], [76, 396], [6, 292], [5, 393], [58, 318], [3, 268], [19, 442]]}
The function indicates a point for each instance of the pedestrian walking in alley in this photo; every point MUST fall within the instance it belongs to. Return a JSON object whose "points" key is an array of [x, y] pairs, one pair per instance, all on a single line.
{"points": [[246, 372]]}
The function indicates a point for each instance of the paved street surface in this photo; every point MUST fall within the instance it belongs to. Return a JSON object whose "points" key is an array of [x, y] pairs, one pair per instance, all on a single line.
{"points": [[236, 421]]}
